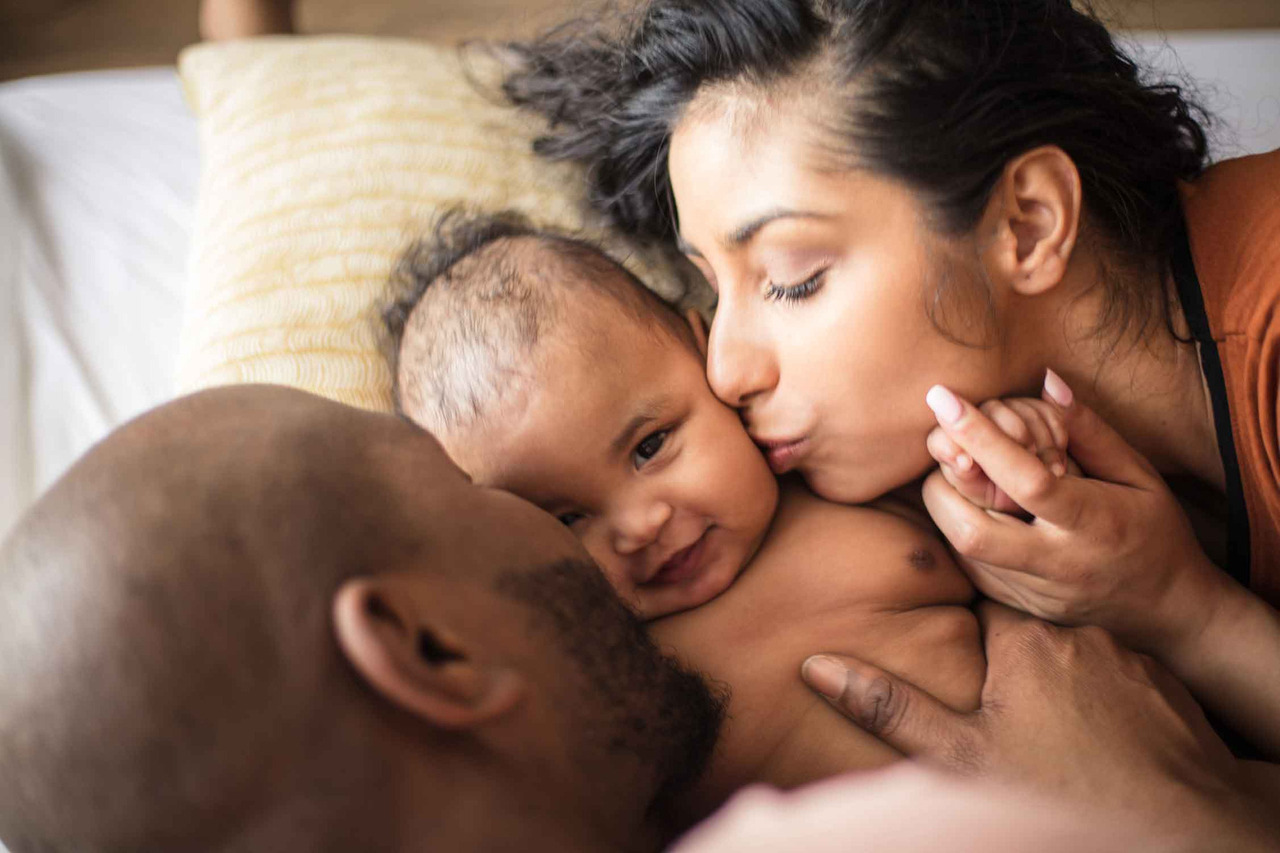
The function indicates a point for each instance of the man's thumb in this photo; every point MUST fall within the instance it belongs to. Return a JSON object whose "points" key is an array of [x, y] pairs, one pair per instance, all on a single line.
{"points": [[898, 713]]}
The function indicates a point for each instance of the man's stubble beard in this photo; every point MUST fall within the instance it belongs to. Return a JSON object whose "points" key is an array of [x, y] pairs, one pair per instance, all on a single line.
{"points": [[638, 701]]}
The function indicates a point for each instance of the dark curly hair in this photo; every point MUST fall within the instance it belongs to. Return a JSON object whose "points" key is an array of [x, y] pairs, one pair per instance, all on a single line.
{"points": [[937, 94]]}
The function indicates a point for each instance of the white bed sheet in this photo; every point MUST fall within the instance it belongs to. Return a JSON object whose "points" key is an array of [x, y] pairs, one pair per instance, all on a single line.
{"points": [[98, 175]]}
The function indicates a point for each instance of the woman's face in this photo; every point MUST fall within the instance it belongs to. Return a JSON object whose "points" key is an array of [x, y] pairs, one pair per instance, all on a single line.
{"points": [[822, 336]]}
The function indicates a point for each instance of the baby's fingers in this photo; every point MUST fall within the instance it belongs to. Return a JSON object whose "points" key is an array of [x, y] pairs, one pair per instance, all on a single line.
{"points": [[947, 453], [1010, 422], [1048, 438], [966, 477]]}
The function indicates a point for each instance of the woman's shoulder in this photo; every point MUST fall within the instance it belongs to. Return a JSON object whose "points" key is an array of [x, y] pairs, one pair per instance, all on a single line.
{"points": [[1233, 221], [1234, 205]]}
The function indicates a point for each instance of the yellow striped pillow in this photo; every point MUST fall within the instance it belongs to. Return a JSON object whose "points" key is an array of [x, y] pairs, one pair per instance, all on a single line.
{"points": [[323, 158]]}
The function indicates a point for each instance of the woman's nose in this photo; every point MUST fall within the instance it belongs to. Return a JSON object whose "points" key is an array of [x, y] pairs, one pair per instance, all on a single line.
{"points": [[638, 524], [740, 361]]}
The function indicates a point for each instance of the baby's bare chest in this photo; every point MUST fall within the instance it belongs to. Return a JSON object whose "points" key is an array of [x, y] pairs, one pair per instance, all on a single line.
{"points": [[849, 581]]}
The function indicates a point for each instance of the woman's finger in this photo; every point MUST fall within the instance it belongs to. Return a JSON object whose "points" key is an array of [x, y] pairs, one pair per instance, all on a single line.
{"points": [[1020, 590], [1010, 466], [946, 452], [978, 489], [1100, 450], [973, 532]]}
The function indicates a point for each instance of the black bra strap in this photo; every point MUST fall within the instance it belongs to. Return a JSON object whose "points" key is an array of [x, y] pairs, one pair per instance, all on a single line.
{"points": [[1184, 275]]}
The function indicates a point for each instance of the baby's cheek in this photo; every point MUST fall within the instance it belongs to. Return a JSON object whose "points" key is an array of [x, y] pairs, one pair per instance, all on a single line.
{"points": [[595, 539]]}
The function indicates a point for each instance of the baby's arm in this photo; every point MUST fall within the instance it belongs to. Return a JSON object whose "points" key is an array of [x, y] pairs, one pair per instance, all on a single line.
{"points": [[233, 19], [1037, 425]]}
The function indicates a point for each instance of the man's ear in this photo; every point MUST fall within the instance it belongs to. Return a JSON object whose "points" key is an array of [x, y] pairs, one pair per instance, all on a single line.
{"points": [[699, 327], [1034, 219], [414, 661]]}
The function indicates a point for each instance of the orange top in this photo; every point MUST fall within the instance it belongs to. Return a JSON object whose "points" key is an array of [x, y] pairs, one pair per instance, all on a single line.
{"points": [[1233, 218]]}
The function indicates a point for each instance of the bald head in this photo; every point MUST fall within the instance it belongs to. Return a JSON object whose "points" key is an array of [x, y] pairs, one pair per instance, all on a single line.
{"points": [[164, 622], [256, 620]]}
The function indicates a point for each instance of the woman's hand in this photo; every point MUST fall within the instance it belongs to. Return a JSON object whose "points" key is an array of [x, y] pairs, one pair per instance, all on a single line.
{"points": [[1069, 712], [1112, 549], [1037, 425]]}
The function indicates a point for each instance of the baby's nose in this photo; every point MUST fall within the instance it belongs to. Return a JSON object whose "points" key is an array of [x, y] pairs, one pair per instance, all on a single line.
{"points": [[639, 526]]}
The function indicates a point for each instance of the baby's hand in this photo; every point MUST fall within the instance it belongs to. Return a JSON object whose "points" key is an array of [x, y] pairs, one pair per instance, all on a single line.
{"points": [[1035, 424]]}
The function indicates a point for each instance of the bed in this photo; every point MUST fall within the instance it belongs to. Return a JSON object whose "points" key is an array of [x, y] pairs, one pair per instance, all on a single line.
{"points": [[98, 185]]}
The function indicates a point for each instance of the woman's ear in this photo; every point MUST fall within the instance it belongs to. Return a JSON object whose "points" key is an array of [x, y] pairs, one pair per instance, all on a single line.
{"points": [[417, 663], [699, 327], [1034, 220]]}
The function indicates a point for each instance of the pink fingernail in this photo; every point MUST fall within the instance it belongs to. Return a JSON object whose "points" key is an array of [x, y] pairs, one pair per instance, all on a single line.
{"points": [[946, 406], [1058, 469], [1057, 389], [964, 462]]}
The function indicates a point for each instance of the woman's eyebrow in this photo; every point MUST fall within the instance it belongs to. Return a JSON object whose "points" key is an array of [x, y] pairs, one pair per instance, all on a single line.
{"points": [[744, 233]]}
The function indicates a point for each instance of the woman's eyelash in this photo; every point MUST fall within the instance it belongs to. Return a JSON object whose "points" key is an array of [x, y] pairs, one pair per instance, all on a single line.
{"points": [[795, 292]]}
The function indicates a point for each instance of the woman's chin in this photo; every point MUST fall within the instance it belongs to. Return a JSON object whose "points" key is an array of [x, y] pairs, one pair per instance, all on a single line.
{"points": [[853, 487]]}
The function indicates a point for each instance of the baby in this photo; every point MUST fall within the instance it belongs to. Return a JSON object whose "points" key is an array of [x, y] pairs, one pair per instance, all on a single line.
{"points": [[548, 370]]}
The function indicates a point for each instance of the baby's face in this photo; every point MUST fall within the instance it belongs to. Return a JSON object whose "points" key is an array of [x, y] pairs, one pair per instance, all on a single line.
{"points": [[622, 439]]}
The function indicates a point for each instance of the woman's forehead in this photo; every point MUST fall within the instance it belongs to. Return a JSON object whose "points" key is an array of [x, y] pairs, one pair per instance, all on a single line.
{"points": [[726, 185]]}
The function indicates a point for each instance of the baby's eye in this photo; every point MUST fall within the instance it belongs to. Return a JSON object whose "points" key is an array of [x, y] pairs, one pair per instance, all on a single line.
{"points": [[569, 519], [649, 447]]}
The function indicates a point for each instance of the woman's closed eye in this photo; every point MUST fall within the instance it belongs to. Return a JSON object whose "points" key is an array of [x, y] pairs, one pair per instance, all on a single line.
{"points": [[569, 519], [795, 292], [649, 447]]}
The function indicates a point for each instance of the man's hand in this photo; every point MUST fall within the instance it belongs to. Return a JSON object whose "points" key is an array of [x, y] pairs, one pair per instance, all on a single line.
{"points": [[1067, 711]]}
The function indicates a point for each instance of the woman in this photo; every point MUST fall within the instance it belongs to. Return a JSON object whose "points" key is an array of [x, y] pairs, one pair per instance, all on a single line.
{"points": [[891, 195]]}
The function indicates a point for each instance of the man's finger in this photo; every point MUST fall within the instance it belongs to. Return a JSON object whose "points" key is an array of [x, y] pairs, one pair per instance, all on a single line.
{"points": [[896, 712]]}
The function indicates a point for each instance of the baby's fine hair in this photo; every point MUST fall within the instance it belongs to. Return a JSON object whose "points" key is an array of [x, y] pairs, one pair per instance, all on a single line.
{"points": [[472, 300]]}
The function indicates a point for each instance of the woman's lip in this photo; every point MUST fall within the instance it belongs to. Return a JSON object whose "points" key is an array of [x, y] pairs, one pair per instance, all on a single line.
{"points": [[682, 565], [783, 456]]}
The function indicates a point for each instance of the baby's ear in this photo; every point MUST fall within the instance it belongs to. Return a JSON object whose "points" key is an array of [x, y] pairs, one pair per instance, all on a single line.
{"points": [[699, 327]]}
